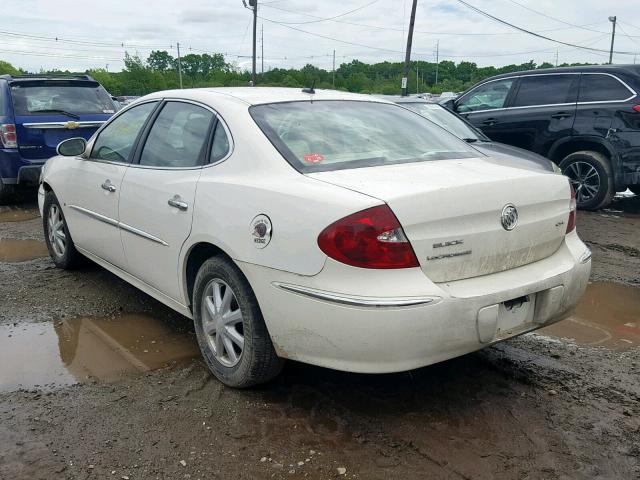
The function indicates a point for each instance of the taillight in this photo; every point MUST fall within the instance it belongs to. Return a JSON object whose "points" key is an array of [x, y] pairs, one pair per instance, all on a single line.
{"points": [[636, 108], [372, 238], [8, 136], [571, 223]]}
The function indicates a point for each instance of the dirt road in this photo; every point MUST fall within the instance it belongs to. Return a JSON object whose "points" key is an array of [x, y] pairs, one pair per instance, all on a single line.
{"points": [[98, 380]]}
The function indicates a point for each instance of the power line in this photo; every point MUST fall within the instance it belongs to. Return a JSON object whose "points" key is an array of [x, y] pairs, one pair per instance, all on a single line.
{"points": [[554, 18], [422, 32], [504, 22], [322, 19]]}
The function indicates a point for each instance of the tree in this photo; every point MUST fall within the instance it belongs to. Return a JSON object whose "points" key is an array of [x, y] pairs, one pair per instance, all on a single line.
{"points": [[160, 61], [7, 69]]}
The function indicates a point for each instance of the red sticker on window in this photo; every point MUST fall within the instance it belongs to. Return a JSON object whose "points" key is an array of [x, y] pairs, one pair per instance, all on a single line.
{"points": [[313, 158]]}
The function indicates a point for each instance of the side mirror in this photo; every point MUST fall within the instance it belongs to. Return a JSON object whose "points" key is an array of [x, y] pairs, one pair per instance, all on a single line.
{"points": [[72, 147]]}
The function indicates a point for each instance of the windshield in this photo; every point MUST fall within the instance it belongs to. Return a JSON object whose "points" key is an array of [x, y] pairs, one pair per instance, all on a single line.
{"points": [[50, 97], [447, 120], [337, 134]]}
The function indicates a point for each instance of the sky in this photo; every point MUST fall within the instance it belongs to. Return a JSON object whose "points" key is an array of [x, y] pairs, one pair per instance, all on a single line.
{"points": [[297, 32]]}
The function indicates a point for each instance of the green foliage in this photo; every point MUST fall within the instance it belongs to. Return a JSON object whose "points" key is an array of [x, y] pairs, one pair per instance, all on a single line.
{"points": [[160, 72], [7, 69]]}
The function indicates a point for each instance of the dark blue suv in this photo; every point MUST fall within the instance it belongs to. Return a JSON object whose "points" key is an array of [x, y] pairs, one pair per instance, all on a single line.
{"points": [[36, 113]]}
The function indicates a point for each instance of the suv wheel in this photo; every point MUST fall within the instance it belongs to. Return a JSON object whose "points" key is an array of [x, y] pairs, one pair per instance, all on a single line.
{"points": [[229, 326], [590, 175]]}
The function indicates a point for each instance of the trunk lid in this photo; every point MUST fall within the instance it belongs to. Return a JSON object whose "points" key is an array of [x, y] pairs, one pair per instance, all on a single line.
{"points": [[451, 212]]}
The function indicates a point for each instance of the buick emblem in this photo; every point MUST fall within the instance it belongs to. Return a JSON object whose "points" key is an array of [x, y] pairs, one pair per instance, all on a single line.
{"points": [[509, 217]]}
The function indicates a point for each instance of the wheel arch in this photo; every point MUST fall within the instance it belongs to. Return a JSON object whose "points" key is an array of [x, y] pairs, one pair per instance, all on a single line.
{"points": [[567, 146], [195, 255]]}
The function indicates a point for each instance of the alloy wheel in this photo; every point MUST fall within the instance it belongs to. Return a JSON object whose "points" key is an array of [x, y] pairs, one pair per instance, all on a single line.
{"points": [[57, 237], [585, 180], [222, 322]]}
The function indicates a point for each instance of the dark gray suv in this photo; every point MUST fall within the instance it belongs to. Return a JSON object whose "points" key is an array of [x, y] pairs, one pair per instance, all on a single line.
{"points": [[585, 119]]}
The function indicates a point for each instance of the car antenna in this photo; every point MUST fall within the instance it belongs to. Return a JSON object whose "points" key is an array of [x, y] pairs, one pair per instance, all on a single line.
{"points": [[312, 89]]}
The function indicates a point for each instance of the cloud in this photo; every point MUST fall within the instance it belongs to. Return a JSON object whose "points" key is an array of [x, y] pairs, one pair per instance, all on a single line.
{"points": [[224, 26]]}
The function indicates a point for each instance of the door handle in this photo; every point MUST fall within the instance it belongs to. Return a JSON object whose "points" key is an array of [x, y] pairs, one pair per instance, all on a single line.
{"points": [[561, 115], [178, 203], [108, 186], [489, 121]]}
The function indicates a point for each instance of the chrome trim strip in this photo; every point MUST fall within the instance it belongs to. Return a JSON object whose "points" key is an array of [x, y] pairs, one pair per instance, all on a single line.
{"points": [[108, 220], [586, 256], [355, 300], [117, 224], [50, 125], [141, 233]]}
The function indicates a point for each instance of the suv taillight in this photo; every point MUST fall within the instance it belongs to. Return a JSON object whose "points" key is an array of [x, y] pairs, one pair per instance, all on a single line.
{"points": [[372, 238], [636, 108], [571, 223], [8, 136]]}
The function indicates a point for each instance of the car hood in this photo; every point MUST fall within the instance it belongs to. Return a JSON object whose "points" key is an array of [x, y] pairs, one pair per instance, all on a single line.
{"points": [[513, 156]]}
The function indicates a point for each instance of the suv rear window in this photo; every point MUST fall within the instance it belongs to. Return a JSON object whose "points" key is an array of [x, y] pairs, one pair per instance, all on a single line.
{"points": [[596, 87], [546, 90], [49, 97], [337, 134]]}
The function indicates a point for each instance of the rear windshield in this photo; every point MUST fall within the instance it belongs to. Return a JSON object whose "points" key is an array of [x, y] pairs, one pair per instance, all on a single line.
{"points": [[49, 97], [337, 134], [446, 119]]}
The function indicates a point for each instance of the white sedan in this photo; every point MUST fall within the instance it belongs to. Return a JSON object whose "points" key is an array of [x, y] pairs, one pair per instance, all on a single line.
{"points": [[325, 227]]}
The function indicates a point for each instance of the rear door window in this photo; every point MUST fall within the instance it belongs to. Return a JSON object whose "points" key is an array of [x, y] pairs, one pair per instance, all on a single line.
{"points": [[546, 90], [115, 142], [177, 137], [597, 87], [220, 146], [489, 96]]}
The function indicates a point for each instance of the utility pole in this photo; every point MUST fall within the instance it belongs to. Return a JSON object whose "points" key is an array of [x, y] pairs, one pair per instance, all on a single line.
{"points": [[635, 55], [333, 70], [613, 37], [179, 64], [262, 47], [407, 58], [437, 59], [254, 4], [556, 58], [417, 77]]}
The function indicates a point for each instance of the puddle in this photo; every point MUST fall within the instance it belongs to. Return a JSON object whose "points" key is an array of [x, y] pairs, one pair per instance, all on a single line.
{"points": [[22, 250], [18, 215], [608, 315], [48, 355]]}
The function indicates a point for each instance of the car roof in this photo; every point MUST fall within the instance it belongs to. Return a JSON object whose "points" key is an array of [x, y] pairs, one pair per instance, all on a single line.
{"points": [[632, 69], [262, 95]]}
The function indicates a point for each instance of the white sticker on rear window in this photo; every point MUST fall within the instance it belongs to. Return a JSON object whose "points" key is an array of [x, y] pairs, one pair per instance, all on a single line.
{"points": [[108, 111]]}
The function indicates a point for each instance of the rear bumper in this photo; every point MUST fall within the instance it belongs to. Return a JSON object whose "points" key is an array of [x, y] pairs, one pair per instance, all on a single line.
{"points": [[369, 333], [14, 169]]}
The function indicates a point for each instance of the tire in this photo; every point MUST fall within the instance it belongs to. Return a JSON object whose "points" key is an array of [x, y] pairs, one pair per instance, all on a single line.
{"points": [[8, 193], [591, 176], [635, 189], [59, 242], [256, 361]]}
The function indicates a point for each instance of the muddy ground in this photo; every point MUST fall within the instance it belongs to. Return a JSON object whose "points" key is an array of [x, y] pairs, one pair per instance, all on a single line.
{"points": [[98, 380]]}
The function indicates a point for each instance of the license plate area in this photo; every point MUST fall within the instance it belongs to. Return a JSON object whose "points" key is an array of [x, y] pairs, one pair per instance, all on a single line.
{"points": [[515, 315]]}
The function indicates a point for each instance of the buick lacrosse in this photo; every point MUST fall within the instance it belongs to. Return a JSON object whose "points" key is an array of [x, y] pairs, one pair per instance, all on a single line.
{"points": [[330, 228]]}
